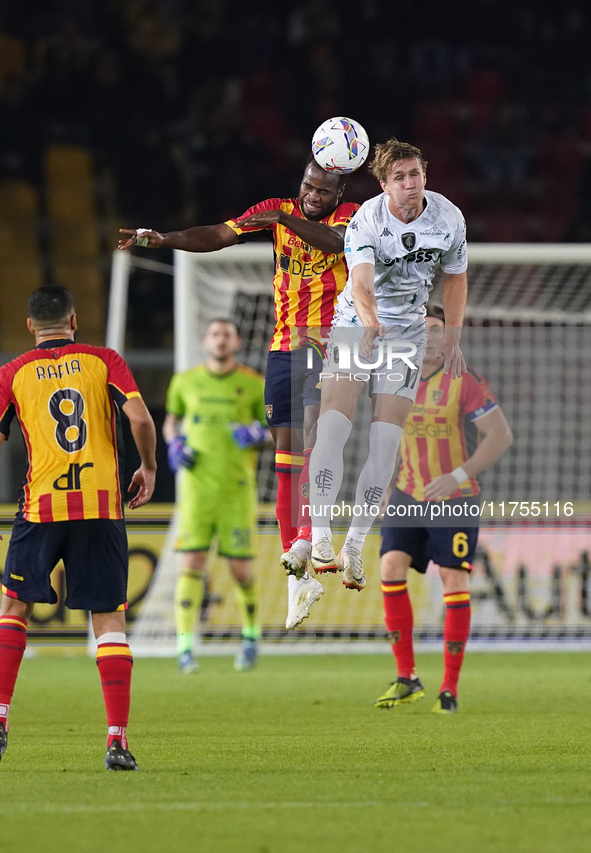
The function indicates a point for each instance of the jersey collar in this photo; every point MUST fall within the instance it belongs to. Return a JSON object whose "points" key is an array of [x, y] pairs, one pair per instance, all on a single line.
{"points": [[431, 375], [52, 343]]}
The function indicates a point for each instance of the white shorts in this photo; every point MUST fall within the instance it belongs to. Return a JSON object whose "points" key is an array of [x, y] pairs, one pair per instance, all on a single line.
{"points": [[393, 368]]}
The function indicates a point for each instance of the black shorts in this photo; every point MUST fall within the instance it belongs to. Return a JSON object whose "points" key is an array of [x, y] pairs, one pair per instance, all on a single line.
{"points": [[415, 533], [95, 557], [291, 385]]}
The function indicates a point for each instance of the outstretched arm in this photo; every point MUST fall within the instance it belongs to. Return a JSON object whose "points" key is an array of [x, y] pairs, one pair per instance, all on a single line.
{"points": [[328, 238], [144, 436], [202, 238]]}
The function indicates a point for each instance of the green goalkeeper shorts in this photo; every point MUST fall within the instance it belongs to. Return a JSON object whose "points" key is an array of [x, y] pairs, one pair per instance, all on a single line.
{"points": [[207, 511]]}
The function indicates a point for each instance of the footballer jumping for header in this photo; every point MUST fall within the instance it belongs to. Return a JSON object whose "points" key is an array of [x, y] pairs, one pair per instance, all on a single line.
{"points": [[308, 235], [391, 246]]}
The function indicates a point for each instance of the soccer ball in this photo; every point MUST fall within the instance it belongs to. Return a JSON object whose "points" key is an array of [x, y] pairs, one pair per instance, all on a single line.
{"points": [[340, 145]]}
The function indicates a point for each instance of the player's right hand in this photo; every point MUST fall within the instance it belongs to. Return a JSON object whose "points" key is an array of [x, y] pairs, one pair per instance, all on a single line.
{"points": [[180, 455], [142, 482], [368, 343], [264, 219], [155, 239]]}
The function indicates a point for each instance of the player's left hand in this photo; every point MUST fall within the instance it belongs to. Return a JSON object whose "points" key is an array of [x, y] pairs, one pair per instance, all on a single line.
{"points": [[142, 482], [452, 354], [441, 487], [248, 435], [265, 219]]}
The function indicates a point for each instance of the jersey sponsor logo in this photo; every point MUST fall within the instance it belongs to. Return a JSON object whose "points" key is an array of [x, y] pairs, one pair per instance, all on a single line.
{"points": [[421, 430], [70, 481], [433, 231], [386, 232], [306, 270], [56, 371], [423, 410], [299, 244], [420, 256], [408, 240]]}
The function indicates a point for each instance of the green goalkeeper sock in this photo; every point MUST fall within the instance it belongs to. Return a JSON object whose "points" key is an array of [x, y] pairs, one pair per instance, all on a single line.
{"points": [[188, 596], [246, 596]]}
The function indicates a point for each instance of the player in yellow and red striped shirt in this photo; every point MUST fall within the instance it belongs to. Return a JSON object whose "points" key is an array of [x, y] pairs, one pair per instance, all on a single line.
{"points": [[454, 431], [310, 273], [67, 398]]}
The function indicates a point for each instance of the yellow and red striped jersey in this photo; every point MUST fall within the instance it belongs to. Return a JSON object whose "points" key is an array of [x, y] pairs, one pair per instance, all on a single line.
{"points": [[66, 398], [440, 432], [306, 281]]}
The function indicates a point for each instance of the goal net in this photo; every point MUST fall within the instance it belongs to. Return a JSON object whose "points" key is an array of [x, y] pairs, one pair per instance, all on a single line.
{"points": [[527, 332]]}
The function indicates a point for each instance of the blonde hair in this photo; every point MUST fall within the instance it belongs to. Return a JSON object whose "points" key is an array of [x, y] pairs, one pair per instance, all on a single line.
{"points": [[388, 153]]}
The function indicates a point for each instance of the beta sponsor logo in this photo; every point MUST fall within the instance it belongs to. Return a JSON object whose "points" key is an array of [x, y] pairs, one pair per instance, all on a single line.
{"points": [[299, 244], [424, 410]]}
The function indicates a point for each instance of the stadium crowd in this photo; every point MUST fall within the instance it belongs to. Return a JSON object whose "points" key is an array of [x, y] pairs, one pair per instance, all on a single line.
{"points": [[216, 102]]}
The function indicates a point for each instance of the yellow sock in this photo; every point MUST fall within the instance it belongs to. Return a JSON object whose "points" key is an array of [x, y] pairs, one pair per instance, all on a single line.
{"points": [[187, 602], [246, 596]]}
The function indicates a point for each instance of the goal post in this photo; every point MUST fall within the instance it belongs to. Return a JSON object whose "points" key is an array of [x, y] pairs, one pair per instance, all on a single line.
{"points": [[527, 331]]}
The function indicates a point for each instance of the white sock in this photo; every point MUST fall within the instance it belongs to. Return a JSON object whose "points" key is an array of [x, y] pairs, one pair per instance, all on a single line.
{"points": [[326, 468], [111, 637], [293, 585], [384, 440]]}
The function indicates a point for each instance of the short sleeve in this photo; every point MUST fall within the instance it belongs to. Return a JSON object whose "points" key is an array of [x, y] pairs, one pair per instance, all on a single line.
{"points": [[120, 379], [455, 260], [7, 407], [261, 207], [175, 403], [344, 213], [360, 243], [476, 397]]}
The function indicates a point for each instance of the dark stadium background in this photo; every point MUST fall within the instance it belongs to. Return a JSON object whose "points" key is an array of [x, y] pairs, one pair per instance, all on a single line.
{"points": [[189, 112]]}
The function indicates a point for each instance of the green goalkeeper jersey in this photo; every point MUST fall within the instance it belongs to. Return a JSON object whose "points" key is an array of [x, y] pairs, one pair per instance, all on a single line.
{"points": [[212, 406]]}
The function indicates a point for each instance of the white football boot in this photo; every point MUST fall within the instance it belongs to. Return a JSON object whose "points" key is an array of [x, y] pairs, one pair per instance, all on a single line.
{"points": [[309, 590]]}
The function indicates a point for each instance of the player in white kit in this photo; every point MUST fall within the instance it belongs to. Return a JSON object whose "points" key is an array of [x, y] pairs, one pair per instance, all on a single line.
{"points": [[379, 335]]}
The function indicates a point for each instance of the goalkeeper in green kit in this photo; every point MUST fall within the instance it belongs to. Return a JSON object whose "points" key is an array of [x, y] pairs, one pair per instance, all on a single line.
{"points": [[213, 426]]}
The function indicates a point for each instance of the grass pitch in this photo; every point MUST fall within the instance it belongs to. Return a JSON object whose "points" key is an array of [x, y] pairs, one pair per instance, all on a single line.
{"points": [[293, 757]]}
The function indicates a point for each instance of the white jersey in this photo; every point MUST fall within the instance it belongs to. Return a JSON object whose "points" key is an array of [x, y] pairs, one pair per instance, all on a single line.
{"points": [[404, 256]]}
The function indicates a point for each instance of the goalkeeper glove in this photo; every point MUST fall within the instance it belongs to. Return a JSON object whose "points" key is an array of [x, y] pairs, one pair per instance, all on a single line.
{"points": [[248, 435], [180, 454]]}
